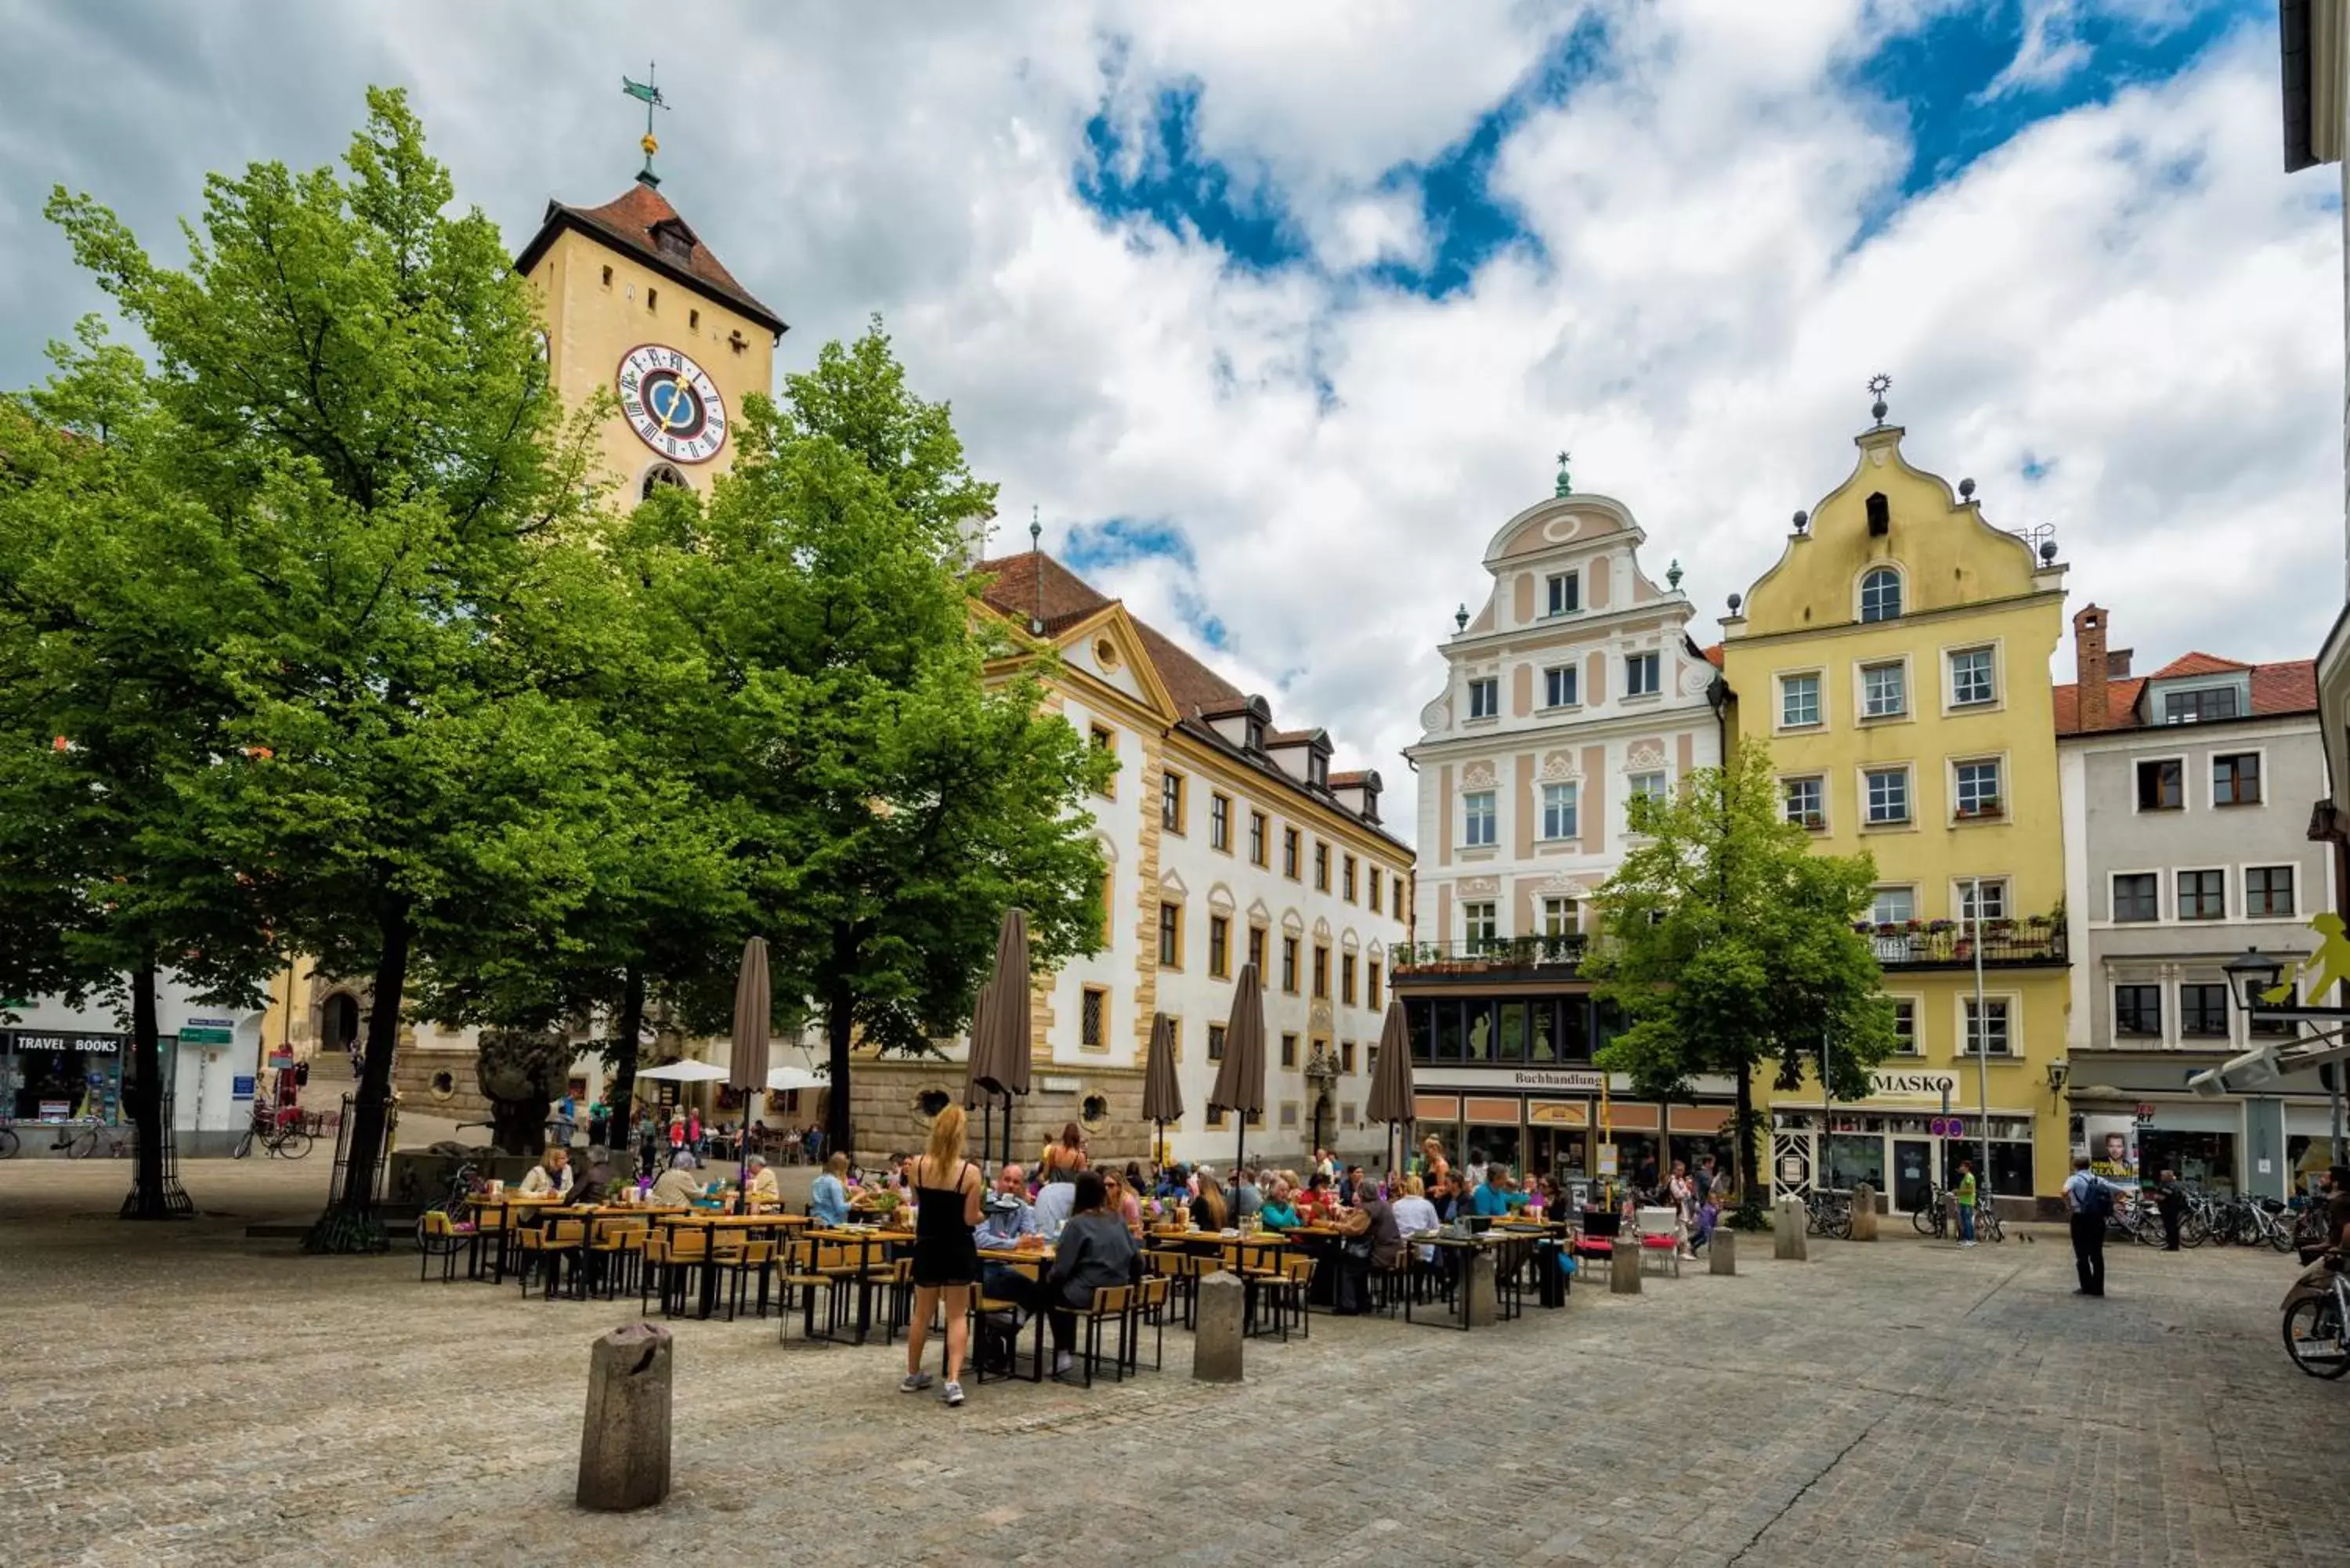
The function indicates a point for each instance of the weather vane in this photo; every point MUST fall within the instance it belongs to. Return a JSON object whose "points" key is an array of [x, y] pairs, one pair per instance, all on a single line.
{"points": [[1566, 485], [645, 92], [1877, 384]]}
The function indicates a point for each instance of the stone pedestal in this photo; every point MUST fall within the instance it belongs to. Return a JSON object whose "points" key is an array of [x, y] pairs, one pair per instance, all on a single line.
{"points": [[1480, 1304], [1864, 1213], [624, 1447], [1722, 1251], [1787, 1230], [1624, 1267], [1216, 1344]]}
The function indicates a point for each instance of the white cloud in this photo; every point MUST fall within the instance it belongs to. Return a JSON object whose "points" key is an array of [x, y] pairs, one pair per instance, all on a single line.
{"points": [[2130, 292]]}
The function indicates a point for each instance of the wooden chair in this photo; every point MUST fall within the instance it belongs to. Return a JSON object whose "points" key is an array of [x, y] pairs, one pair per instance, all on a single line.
{"points": [[614, 1256], [550, 1244], [439, 1236], [753, 1259], [1153, 1300], [986, 1311], [674, 1257], [1111, 1303]]}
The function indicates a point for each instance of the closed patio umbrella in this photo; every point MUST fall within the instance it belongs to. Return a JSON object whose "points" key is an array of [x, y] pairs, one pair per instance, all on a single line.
{"points": [[1162, 1095], [1240, 1077], [1391, 1084], [1005, 1025], [975, 1094], [746, 1064]]}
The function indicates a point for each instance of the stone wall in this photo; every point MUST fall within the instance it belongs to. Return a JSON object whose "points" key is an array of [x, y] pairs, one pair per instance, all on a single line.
{"points": [[885, 1111]]}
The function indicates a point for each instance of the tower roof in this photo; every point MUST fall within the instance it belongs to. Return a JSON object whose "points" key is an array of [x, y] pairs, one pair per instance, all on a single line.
{"points": [[641, 222]]}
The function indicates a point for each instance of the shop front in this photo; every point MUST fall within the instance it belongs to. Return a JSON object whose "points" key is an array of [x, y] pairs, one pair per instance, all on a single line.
{"points": [[62, 1078], [1567, 1123], [1901, 1141], [2135, 1118]]}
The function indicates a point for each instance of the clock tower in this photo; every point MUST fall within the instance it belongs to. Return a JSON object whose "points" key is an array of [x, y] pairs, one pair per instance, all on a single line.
{"points": [[634, 302]]}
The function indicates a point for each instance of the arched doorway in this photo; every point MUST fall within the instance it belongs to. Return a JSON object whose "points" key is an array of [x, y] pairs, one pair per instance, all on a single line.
{"points": [[339, 1023]]}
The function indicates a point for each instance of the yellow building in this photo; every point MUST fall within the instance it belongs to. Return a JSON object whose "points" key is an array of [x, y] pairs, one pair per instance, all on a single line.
{"points": [[1896, 662], [634, 303]]}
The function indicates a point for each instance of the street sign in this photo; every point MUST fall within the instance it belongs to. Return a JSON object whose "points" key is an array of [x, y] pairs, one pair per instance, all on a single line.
{"points": [[281, 1061], [1957, 1127], [201, 1036], [240, 1088]]}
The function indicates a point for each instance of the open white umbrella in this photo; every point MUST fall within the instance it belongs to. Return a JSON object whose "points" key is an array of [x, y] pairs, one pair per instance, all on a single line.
{"points": [[686, 1072], [783, 1080]]}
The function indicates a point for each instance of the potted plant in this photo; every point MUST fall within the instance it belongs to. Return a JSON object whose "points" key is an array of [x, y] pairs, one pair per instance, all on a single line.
{"points": [[1815, 822]]}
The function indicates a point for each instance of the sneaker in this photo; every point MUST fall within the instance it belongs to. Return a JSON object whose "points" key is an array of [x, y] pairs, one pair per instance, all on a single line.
{"points": [[952, 1394], [915, 1383], [1966, 1243], [1063, 1363]]}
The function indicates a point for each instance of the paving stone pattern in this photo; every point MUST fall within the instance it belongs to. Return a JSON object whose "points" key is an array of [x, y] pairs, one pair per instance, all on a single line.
{"points": [[179, 1395]]}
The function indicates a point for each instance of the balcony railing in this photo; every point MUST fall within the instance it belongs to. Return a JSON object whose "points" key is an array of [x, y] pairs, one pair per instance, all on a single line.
{"points": [[1478, 953], [2038, 939]]}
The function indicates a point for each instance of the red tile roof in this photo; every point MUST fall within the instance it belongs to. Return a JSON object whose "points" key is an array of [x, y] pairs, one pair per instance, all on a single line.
{"points": [[1347, 780], [628, 221], [1713, 655], [2289, 687], [1034, 584]]}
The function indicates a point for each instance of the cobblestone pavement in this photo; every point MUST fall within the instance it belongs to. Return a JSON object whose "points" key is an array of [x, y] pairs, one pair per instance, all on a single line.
{"points": [[182, 1395]]}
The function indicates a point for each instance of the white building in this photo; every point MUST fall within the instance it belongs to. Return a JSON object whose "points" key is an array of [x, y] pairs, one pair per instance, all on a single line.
{"points": [[63, 1066]]}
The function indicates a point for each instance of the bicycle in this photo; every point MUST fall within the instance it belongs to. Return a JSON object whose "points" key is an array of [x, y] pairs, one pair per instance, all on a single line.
{"points": [[464, 1184], [1930, 1216], [286, 1141], [2317, 1321], [1829, 1214], [8, 1144]]}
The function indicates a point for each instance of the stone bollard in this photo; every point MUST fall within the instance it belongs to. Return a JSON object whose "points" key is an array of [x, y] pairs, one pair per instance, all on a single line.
{"points": [[1864, 1213], [624, 1447], [1787, 1221], [1722, 1249], [1624, 1267], [1216, 1344], [1480, 1307]]}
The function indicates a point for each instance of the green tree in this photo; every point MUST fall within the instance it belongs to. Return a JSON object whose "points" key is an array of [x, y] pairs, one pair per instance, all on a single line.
{"points": [[880, 756], [417, 591], [113, 712], [1728, 945]]}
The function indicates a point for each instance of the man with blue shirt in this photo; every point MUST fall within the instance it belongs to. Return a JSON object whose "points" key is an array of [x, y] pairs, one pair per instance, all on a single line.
{"points": [[2089, 1201], [1494, 1197]]}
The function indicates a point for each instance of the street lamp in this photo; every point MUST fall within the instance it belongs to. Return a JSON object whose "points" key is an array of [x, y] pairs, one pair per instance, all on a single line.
{"points": [[2250, 976], [2057, 1073]]}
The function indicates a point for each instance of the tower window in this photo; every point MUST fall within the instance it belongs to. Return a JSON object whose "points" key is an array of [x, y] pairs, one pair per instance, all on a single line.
{"points": [[652, 299], [693, 321], [658, 475], [607, 277]]}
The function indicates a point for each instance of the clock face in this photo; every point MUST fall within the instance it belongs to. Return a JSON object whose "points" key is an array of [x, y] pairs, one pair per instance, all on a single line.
{"points": [[671, 404]]}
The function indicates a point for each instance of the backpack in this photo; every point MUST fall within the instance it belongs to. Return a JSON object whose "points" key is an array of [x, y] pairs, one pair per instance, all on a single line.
{"points": [[2097, 1199]]}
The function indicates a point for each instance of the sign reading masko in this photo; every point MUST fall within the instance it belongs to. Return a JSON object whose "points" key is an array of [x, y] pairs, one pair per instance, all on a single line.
{"points": [[1912, 1085]]}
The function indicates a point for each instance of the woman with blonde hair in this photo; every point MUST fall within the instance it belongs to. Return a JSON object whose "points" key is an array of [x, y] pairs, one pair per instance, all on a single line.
{"points": [[1208, 1208], [1121, 1200], [947, 1192]]}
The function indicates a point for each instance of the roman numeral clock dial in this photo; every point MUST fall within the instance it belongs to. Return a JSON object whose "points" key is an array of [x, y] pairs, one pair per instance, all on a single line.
{"points": [[671, 404]]}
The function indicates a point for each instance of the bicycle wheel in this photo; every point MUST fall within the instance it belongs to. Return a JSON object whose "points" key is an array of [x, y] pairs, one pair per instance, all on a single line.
{"points": [[2279, 1236], [7, 1143], [82, 1144], [2313, 1338], [1928, 1220], [1840, 1223], [244, 1145], [2193, 1231], [293, 1146]]}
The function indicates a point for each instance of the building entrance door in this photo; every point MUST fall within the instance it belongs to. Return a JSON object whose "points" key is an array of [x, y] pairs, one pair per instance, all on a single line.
{"points": [[1913, 1172]]}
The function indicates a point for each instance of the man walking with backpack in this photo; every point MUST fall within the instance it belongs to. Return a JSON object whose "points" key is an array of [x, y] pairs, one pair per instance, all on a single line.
{"points": [[2091, 1203]]}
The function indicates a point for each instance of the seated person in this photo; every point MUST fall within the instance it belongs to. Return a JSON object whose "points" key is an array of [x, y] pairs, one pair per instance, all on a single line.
{"points": [[680, 1184], [1055, 1201], [1207, 1211], [1495, 1198], [828, 1198], [551, 1174], [1095, 1252], [759, 1182], [1279, 1212]]}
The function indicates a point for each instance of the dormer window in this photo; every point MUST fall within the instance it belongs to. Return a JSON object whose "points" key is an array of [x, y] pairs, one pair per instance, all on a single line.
{"points": [[1317, 770], [2195, 707], [1255, 734], [1881, 594], [671, 240], [1565, 593]]}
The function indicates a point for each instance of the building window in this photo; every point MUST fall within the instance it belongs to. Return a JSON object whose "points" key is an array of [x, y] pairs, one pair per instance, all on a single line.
{"points": [[1256, 951], [1889, 795], [1215, 1117], [1110, 898], [1640, 674], [2268, 890], [1320, 972], [1170, 935], [1884, 691], [1485, 697], [1994, 897], [1477, 829], [1558, 811], [1477, 925], [1220, 822], [1346, 980], [1565, 594], [2236, 780], [1799, 701], [693, 321], [2137, 1009], [2192, 707], [1215, 1041], [1881, 594], [1289, 966], [1807, 804], [1904, 1026], [1317, 770], [1987, 1033], [1170, 801], [1105, 739], [1093, 1018], [1977, 789], [1893, 907], [1395, 891], [1558, 687], [1289, 852], [1346, 865], [1289, 1050], [1374, 899], [2203, 1011], [2203, 895], [1220, 945], [1345, 1056], [1321, 867], [652, 299], [2161, 785], [1972, 680], [2137, 896], [1371, 985], [1647, 786], [1256, 839], [607, 277], [1561, 918]]}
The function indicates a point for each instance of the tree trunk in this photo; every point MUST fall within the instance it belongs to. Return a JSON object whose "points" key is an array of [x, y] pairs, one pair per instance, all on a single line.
{"points": [[351, 1223], [839, 1008], [1751, 1204], [143, 1097], [620, 1097]]}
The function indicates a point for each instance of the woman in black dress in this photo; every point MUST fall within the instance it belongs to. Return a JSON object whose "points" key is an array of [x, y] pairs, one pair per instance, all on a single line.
{"points": [[947, 1194]]}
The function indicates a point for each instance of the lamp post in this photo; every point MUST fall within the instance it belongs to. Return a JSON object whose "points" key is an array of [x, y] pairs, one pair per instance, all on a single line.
{"points": [[2251, 976], [1982, 1034]]}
